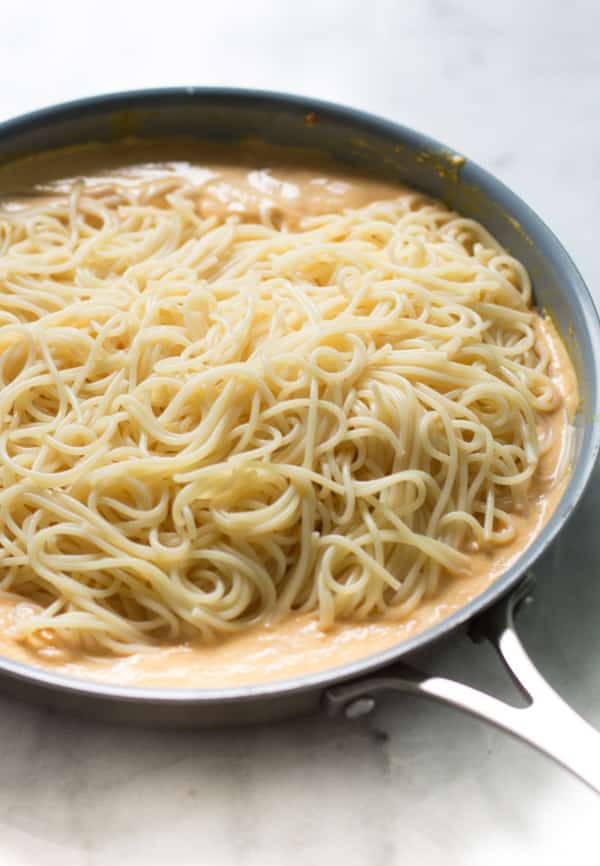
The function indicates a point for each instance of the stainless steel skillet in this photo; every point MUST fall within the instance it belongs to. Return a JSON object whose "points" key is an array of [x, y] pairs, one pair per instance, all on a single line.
{"points": [[394, 153]]}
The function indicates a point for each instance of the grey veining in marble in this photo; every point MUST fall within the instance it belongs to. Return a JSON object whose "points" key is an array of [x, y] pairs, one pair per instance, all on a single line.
{"points": [[516, 86]]}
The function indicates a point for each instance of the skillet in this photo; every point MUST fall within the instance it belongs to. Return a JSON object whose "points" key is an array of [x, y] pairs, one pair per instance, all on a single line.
{"points": [[397, 154]]}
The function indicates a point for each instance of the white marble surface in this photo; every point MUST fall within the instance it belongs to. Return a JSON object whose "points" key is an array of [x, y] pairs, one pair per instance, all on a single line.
{"points": [[516, 86]]}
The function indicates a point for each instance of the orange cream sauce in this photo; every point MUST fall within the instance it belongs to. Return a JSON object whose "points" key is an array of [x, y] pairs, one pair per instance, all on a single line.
{"points": [[234, 180], [233, 183]]}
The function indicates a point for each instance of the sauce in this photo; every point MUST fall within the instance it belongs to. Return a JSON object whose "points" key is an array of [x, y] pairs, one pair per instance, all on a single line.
{"points": [[301, 184], [295, 646]]}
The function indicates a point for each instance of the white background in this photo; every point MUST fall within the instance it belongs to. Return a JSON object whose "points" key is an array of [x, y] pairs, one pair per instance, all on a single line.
{"points": [[515, 86]]}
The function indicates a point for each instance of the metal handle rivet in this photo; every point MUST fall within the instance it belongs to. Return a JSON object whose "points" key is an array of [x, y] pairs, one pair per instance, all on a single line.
{"points": [[359, 707]]}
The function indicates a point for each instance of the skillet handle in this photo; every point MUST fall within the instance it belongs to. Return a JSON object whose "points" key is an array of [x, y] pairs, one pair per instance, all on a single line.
{"points": [[547, 722]]}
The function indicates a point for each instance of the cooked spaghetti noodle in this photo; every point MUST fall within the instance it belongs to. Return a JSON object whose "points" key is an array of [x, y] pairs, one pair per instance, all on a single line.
{"points": [[207, 422]]}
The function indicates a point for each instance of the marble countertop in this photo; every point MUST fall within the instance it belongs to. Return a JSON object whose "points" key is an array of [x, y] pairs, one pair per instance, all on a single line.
{"points": [[516, 86]]}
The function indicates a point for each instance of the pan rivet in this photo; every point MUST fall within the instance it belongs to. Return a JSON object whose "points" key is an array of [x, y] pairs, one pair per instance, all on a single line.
{"points": [[359, 707]]}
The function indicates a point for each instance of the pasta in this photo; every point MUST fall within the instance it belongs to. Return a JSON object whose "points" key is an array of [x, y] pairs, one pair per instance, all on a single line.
{"points": [[208, 422]]}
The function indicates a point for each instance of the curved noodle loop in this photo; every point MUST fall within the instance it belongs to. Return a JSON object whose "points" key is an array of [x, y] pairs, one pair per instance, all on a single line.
{"points": [[204, 422]]}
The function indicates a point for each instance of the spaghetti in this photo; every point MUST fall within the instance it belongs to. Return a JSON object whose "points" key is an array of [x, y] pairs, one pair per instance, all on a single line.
{"points": [[208, 421]]}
